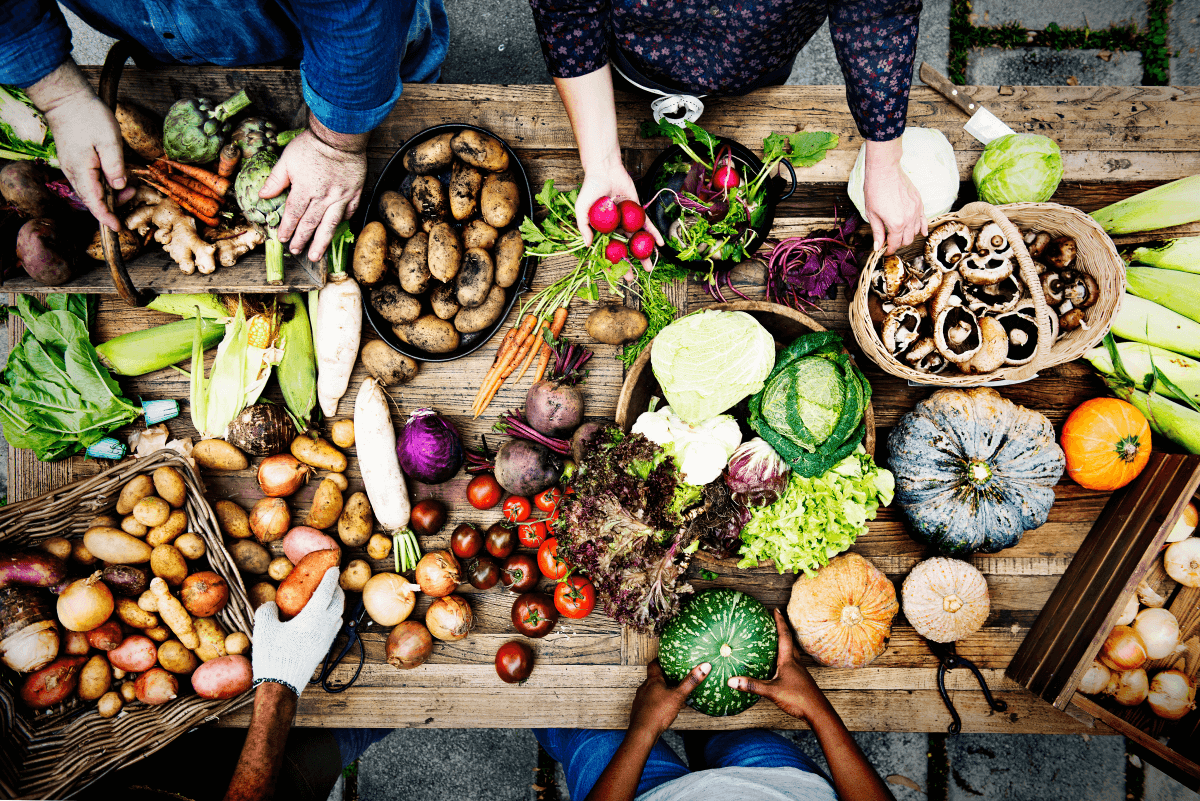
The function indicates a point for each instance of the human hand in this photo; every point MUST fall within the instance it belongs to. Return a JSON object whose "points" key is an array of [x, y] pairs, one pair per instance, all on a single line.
{"points": [[893, 204], [289, 652], [792, 688], [608, 179], [655, 706]]}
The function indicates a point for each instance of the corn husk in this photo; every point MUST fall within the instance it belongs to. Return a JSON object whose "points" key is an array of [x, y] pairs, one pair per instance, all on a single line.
{"points": [[1175, 290], [1176, 203], [1142, 320], [239, 374], [1140, 360], [1178, 254]]}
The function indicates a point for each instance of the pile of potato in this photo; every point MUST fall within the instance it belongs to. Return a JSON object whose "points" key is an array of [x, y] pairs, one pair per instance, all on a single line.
{"points": [[439, 269]]}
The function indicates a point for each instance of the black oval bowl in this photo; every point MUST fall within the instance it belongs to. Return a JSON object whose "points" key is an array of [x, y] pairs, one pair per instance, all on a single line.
{"points": [[393, 175], [777, 190]]}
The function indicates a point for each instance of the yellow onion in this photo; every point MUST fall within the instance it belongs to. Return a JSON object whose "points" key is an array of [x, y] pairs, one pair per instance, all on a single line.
{"points": [[1182, 561], [1129, 612], [1172, 694], [1130, 687], [388, 598], [270, 519], [85, 604], [1123, 650], [1095, 680], [1159, 631], [281, 475], [409, 645], [449, 618], [438, 573]]}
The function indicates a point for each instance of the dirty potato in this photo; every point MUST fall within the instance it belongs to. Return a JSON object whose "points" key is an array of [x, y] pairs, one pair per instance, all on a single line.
{"points": [[479, 234], [413, 266], [508, 258], [432, 155], [429, 333], [475, 278], [386, 365], [499, 199], [398, 213], [480, 150], [464, 190], [394, 304], [429, 197], [445, 252], [369, 251], [468, 321], [444, 301], [616, 325]]}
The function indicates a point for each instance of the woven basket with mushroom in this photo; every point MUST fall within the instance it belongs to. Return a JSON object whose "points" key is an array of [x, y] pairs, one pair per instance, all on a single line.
{"points": [[993, 293]]}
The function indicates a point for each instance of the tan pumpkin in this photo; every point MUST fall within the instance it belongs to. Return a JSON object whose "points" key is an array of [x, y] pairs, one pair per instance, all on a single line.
{"points": [[843, 614], [945, 599]]}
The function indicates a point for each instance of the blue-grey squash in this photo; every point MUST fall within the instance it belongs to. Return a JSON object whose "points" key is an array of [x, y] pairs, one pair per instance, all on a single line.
{"points": [[974, 471]]}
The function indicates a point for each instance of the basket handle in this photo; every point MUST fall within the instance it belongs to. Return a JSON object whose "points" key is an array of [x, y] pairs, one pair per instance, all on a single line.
{"points": [[110, 76]]}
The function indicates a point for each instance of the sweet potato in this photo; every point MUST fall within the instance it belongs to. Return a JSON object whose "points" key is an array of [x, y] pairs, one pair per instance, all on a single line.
{"points": [[499, 199], [135, 654], [52, 684], [326, 506], [225, 677], [398, 213], [43, 255], [156, 686], [296, 590], [23, 185], [464, 191], [204, 594], [369, 250]]}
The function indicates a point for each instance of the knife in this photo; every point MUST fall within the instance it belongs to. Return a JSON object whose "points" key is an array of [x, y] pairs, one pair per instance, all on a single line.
{"points": [[983, 125]]}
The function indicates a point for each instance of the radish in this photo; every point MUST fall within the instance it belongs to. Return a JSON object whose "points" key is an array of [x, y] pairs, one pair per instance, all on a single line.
{"points": [[633, 216], [337, 327], [641, 245], [375, 439], [726, 177], [616, 251], [604, 216]]}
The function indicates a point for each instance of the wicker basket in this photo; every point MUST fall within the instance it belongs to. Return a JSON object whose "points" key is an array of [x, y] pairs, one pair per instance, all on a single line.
{"points": [[1096, 256], [57, 752]]}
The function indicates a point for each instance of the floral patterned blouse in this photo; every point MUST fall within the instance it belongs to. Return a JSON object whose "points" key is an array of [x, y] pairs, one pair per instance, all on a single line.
{"points": [[723, 46]]}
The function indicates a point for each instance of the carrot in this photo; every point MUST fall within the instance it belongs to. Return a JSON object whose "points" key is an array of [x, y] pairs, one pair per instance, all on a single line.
{"points": [[506, 357], [227, 165], [208, 205], [500, 351], [556, 327], [215, 182], [533, 348], [183, 202], [195, 186]]}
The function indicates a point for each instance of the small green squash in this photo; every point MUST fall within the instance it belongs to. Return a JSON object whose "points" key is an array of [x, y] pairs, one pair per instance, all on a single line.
{"points": [[734, 633]]}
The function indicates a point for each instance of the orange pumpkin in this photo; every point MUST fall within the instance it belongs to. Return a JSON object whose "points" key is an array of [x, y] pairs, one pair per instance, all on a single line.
{"points": [[843, 614], [1106, 442]]}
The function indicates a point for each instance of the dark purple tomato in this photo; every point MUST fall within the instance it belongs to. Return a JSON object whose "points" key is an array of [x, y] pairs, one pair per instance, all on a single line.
{"points": [[520, 573], [501, 540], [483, 573], [466, 541]]}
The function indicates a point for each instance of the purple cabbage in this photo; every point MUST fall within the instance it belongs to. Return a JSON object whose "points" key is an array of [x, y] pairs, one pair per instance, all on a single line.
{"points": [[756, 475], [429, 447]]}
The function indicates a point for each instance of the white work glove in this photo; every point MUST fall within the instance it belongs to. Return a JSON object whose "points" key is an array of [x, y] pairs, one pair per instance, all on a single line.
{"points": [[288, 653]]}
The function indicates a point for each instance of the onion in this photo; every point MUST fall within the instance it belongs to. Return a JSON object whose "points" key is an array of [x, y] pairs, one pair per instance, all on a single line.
{"points": [[85, 604], [1159, 631], [281, 475], [449, 618], [438, 573], [409, 645], [1130, 688], [31, 648], [1182, 561], [1148, 597], [388, 598], [1123, 650], [1129, 612], [1172, 694], [1185, 526], [269, 519], [1095, 680]]}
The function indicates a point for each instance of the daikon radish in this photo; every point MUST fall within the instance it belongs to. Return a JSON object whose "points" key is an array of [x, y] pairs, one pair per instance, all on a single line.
{"points": [[375, 439], [337, 327]]}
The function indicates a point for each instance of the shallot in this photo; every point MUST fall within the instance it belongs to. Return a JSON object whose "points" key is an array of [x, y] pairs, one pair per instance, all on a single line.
{"points": [[1182, 561], [449, 618], [438, 573], [1159, 631], [1123, 650], [1172, 694]]}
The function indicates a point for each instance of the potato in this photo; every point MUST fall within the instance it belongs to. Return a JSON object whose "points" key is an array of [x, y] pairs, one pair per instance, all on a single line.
{"points": [[475, 278], [261, 593], [43, 253], [107, 636], [326, 506], [204, 593], [303, 540], [148, 602], [52, 684], [296, 590], [168, 563], [118, 674], [356, 521], [156, 686], [508, 255], [56, 546], [444, 301], [107, 521], [398, 213], [115, 546], [177, 659], [429, 198], [386, 365], [134, 490], [339, 480], [169, 486], [131, 614], [212, 638], [125, 580], [249, 556], [95, 678], [429, 333], [613, 324], [136, 654], [217, 454], [379, 546], [279, 568], [131, 526], [191, 545], [23, 185], [141, 130], [128, 242], [109, 704], [75, 643], [369, 250], [127, 692], [151, 511], [499, 199], [432, 155], [478, 234], [233, 519], [226, 677], [176, 524], [464, 191], [237, 643], [468, 321], [81, 554], [412, 268], [394, 304], [342, 434], [445, 252], [158, 633], [355, 575], [480, 150], [317, 452]]}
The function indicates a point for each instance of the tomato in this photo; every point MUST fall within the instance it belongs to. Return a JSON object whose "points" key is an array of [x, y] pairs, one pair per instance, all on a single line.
{"points": [[575, 597], [427, 517], [532, 534], [548, 499], [501, 540], [552, 567], [552, 516], [516, 509], [484, 492], [483, 573], [520, 572], [466, 541], [534, 614], [514, 662]]}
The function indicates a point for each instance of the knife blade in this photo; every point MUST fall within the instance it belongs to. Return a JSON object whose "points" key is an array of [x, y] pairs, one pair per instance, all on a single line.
{"points": [[983, 125]]}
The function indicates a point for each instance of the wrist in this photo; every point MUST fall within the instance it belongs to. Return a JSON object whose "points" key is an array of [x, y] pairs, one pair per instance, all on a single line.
{"points": [[601, 158], [642, 736], [65, 84], [345, 143]]}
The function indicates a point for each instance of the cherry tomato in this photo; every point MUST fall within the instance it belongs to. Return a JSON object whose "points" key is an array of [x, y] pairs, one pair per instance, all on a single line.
{"points": [[552, 567], [484, 492], [483, 573], [534, 614], [532, 534], [501, 540], [520, 573], [516, 509], [575, 597], [548, 499], [514, 662], [427, 517], [466, 541]]}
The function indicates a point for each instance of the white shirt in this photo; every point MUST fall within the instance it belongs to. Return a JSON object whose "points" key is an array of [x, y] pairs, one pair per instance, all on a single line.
{"points": [[744, 784]]}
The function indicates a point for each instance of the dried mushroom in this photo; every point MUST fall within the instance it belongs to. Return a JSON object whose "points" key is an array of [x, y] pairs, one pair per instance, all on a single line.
{"points": [[956, 334], [995, 298], [947, 245], [993, 350], [902, 327], [921, 280], [987, 268], [991, 239]]}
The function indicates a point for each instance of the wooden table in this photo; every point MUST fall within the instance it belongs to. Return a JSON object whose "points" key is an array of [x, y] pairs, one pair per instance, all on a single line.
{"points": [[1115, 141]]}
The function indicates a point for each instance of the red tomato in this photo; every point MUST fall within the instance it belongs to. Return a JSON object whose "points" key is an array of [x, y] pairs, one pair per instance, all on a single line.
{"points": [[514, 662], [516, 509], [532, 534], [548, 499], [552, 567], [484, 492], [575, 597], [551, 516]]}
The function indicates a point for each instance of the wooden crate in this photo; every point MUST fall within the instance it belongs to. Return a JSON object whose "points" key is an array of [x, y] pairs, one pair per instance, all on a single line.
{"points": [[1123, 549]]}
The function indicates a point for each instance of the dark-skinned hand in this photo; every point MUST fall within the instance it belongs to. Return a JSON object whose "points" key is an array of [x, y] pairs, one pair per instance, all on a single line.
{"points": [[792, 688], [655, 706]]}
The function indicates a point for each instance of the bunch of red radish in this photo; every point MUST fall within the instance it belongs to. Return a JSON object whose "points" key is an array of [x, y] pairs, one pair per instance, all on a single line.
{"points": [[606, 215]]}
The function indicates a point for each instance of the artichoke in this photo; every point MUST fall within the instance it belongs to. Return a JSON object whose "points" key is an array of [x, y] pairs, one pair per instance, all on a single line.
{"points": [[254, 134], [267, 212], [194, 129]]}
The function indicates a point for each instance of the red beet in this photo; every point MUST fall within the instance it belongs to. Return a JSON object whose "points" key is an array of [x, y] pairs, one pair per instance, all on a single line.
{"points": [[633, 216], [604, 216], [616, 251], [641, 245]]}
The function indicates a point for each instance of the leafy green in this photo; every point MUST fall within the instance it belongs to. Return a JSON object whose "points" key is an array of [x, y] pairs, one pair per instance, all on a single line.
{"points": [[679, 136], [24, 134], [343, 237], [658, 308], [56, 397]]}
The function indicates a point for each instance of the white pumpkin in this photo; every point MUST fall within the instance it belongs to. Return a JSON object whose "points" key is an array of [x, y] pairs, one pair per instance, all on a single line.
{"points": [[945, 599]]}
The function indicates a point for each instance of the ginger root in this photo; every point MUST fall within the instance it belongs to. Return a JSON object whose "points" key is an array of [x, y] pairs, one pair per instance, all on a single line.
{"points": [[230, 250], [176, 231]]}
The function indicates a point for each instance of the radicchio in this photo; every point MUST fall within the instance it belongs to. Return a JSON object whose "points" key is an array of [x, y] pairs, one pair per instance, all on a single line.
{"points": [[756, 475]]}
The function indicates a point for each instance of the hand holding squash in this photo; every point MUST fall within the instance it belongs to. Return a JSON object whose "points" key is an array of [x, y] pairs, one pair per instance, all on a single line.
{"points": [[655, 706], [792, 689]]}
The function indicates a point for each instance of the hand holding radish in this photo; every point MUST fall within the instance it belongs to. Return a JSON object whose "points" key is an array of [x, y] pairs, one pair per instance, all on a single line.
{"points": [[614, 184]]}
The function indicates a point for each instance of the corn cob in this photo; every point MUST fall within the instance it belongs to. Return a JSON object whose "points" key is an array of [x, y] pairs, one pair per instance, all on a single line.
{"points": [[1145, 321]]}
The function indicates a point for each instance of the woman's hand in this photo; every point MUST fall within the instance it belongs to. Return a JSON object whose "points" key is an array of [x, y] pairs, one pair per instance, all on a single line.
{"points": [[792, 689], [894, 207], [608, 179], [656, 705]]}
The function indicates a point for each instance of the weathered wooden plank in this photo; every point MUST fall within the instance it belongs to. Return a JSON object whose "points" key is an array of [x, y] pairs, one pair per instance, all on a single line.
{"points": [[154, 272]]}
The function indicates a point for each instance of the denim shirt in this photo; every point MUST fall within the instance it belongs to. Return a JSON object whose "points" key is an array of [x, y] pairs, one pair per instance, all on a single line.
{"points": [[354, 55]]}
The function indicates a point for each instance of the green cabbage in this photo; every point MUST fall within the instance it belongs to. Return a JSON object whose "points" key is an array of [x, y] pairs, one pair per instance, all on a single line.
{"points": [[927, 158], [1018, 168]]}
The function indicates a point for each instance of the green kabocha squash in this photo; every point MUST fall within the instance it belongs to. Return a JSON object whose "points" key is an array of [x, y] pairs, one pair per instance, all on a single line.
{"points": [[731, 631], [974, 471]]}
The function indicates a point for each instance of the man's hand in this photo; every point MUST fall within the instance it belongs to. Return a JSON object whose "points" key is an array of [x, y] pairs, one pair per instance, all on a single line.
{"points": [[325, 172], [894, 207], [87, 137], [289, 652], [656, 705], [792, 689]]}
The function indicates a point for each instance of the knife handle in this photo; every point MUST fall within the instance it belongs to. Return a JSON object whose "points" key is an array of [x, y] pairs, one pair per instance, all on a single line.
{"points": [[942, 85]]}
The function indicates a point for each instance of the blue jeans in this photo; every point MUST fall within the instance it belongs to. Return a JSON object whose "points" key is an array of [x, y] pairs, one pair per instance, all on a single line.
{"points": [[585, 753]]}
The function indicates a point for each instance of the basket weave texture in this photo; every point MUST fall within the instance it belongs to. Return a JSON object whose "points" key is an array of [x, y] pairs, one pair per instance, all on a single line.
{"points": [[57, 752], [1095, 255]]}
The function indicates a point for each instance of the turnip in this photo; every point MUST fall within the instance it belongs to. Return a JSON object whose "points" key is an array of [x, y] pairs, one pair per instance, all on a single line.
{"points": [[633, 216], [616, 251], [604, 215], [526, 468], [641, 245]]}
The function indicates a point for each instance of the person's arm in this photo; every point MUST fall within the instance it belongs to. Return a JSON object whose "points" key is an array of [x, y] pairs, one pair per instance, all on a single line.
{"points": [[794, 691], [270, 722]]}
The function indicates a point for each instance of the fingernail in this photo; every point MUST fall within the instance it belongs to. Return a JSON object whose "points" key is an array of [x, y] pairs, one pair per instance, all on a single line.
{"points": [[733, 683], [704, 668], [119, 183]]}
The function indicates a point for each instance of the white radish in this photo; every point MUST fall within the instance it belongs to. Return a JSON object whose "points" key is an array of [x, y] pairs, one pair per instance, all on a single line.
{"points": [[375, 439], [337, 328]]}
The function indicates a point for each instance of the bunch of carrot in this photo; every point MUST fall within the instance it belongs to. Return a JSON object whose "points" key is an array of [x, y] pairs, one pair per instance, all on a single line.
{"points": [[519, 347], [197, 191]]}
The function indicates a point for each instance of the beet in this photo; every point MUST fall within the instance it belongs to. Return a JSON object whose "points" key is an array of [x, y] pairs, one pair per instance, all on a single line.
{"points": [[526, 468], [553, 408]]}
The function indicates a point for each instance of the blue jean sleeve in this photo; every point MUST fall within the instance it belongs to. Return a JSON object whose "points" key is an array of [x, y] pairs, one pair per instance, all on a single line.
{"points": [[34, 40]]}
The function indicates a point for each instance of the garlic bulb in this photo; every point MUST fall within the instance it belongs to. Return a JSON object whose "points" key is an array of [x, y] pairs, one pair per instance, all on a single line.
{"points": [[31, 648]]}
